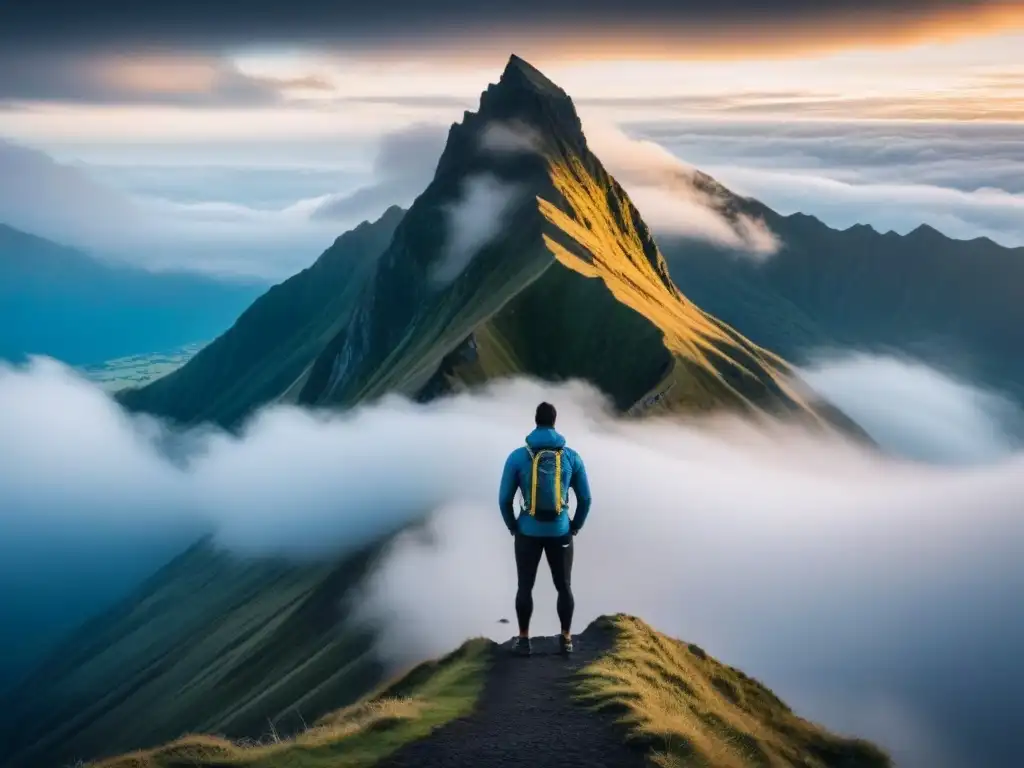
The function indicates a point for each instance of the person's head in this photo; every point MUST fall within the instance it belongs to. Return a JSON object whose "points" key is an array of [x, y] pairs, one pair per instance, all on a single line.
{"points": [[545, 415]]}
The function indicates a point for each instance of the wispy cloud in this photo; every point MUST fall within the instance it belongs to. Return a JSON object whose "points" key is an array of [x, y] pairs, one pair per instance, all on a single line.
{"points": [[179, 79], [474, 220], [404, 165], [66, 204], [673, 197]]}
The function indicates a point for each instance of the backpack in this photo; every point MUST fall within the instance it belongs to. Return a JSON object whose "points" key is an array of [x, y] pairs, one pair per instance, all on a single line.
{"points": [[545, 484]]}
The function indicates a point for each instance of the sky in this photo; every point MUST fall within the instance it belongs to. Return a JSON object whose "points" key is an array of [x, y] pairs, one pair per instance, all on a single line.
{"points": [[232, 128]]}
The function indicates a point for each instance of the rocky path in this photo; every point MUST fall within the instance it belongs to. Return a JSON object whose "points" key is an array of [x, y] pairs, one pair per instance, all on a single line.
{"points": [[526, 717]]}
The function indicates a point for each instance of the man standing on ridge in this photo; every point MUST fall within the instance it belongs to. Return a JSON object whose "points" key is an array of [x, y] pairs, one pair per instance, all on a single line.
{"points": [[544, 470]]}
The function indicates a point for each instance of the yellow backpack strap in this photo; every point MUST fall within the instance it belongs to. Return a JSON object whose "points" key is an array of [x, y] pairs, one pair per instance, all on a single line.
{"points": [[533, 482], [558, 481]]}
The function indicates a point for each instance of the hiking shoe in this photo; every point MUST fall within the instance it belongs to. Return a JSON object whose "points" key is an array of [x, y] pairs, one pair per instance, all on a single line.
{"points": [[565, 644], [522, 646]]}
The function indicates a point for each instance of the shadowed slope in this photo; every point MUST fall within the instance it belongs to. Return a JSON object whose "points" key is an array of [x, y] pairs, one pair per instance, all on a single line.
{"points": [[261, 355], [953, 303]]}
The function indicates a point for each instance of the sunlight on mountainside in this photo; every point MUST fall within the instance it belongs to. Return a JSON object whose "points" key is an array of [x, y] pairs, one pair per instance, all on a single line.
{"points": [[616, 248]]}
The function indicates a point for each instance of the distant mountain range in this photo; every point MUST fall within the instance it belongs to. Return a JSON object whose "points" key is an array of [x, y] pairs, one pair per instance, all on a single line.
{"points": [[957, 305], [62, 302]]}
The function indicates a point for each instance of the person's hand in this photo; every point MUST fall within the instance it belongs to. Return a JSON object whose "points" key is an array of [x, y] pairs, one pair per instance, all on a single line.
{"points": [[512, 531], [574, 531]]}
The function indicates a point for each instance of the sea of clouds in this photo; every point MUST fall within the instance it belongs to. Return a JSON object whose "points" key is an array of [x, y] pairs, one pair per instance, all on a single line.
{"points": [[877, 593]]}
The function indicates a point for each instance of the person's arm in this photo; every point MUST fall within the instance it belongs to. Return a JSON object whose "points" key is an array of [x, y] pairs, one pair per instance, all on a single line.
{"points": [[581, 487], [507, 493]]}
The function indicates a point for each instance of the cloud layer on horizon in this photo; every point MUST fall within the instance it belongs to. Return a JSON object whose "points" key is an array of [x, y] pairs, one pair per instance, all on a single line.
{"points": [[965, 180], [269, 208], [402, 168], [156, 216], [66, 204]]}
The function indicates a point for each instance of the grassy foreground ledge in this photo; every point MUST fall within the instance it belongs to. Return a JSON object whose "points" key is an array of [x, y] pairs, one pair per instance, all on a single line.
{"points": [[691, 710], [429, 696], [674, 702]]}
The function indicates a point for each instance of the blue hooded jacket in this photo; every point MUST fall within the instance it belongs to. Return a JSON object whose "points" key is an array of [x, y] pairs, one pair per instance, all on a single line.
{"points": [[516, 476]]}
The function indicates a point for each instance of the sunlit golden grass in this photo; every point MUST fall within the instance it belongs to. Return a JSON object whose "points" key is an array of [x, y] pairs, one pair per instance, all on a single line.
{"points": [[360, 735], [604, 227], [692, 710]]}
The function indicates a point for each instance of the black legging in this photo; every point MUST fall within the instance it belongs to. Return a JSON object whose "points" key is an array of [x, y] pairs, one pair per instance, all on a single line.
{"points": [[559, 555]]}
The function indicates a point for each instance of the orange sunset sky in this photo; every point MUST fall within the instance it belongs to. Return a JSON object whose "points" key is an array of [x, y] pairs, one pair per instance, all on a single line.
{"points": [[904, 61]]}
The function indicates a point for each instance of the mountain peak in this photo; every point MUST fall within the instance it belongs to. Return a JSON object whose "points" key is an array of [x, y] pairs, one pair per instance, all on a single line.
{"points": [[520, 72], [525, 94], [523, 102], [926, 231]]}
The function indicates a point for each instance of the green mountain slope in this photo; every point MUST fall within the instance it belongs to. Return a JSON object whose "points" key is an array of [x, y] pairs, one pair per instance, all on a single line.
{"points": [[640, 697], [954, 303], [274, 340], [61, 302]]}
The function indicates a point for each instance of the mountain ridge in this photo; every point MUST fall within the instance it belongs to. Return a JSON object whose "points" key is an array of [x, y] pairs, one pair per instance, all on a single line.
{"points": [[860, 289]]}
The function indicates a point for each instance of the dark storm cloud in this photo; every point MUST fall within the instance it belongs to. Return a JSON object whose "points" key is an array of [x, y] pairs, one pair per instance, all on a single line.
{"points": [[192, 80], [107, 23]]}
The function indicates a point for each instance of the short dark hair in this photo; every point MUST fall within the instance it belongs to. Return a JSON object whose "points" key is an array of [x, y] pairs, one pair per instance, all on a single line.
{"points": [[546, 415]]}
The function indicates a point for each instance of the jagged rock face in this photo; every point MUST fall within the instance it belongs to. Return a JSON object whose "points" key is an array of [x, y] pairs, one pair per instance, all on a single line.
{"points": [[525, 248]]}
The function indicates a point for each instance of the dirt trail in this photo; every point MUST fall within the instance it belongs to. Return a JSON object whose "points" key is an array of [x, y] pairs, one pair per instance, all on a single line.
{"points": [[526, 717]]}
